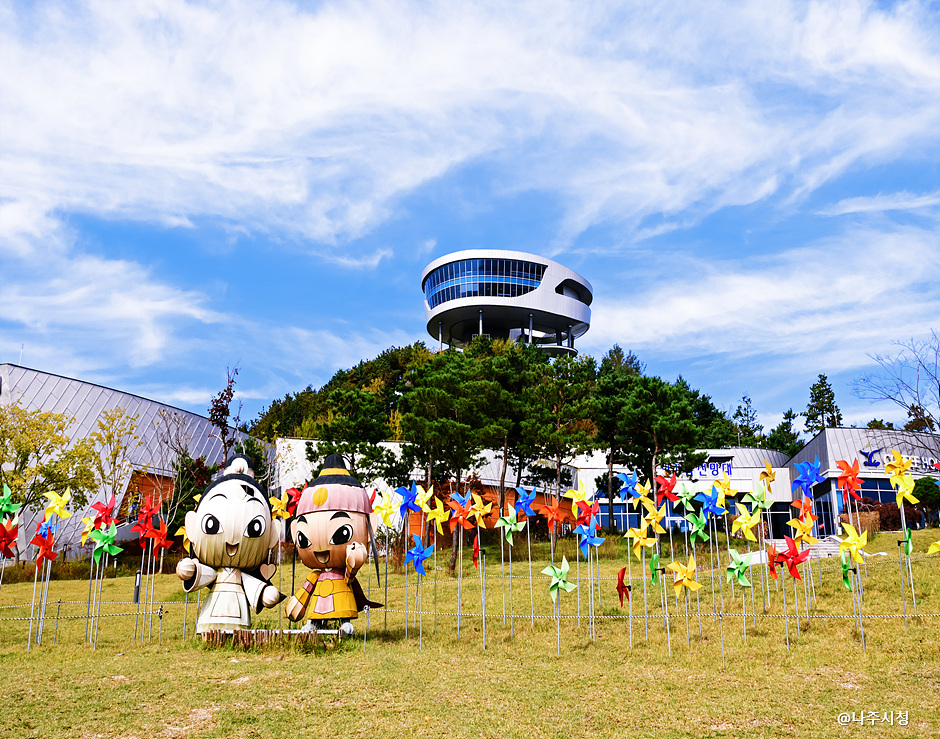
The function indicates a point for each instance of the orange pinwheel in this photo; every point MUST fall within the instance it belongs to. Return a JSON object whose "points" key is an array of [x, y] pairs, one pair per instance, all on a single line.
{"points": [[461, 515], [848, 480], [805, 508], [161, 539], [553, 514], [45, 544]]}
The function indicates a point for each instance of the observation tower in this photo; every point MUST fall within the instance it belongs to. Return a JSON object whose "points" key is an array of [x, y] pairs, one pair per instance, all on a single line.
{"points": [[505, 295]]}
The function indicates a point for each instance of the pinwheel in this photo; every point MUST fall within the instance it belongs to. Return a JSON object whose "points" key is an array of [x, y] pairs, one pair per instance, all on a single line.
{"points": [[588, 536], [553, 515], [181, 531], [724, 490], [105, 512], [44, 540], [279, 506], [848, 480], [7, 506], [559, 577], [805, 508], [746, 521], [808, 477], [905, 486], [511, 525], [408, 503], [418, 554], [57, 504], [737, 569], [8, 533], [640, 494], [627, 485], [767, 475], [665, 489], [686, 493], [758, 498], [104, 542], [386, 509], [640, 540], [587, 511], [710, 505], [846, 570], [160, 537], [579, 495], [699, 529], [908, 544], [622, 588], [480, 511], [439, 515], [804, 530], [524, 500], [294, 496], [476, 551], [897, 467], [422, 497], [463, 500], [792, 558], [854, 543], [145, 518], [654, 568], [772, 560], [653, 519], [684, 576], [932, 549], [460, 516]]}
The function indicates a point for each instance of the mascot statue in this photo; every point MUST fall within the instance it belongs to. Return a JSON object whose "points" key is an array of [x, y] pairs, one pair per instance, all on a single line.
{"points": [[232, 537], [332, 533]]}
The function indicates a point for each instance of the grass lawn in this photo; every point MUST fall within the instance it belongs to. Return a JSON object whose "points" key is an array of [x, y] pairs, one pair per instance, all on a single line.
{"points": [[516, 686]]}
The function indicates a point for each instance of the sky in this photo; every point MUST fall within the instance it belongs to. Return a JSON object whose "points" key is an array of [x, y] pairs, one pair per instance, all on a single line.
{"points": [[752, 188]]}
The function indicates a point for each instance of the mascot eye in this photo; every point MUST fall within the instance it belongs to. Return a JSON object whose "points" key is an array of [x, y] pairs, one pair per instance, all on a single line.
{"points": [[211, 525], [302, 541], [343, 534], [255, 528]]}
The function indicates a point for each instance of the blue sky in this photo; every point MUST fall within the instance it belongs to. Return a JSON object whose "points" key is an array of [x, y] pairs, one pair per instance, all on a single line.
{"points": [[752, 188]]}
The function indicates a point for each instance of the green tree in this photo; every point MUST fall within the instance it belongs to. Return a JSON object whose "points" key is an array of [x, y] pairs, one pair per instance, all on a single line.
{"points": [[927, 492], [750, 432], [784, 438], [822, 411], [36, 456], [716, 430], [114, 441], [880, 424]]}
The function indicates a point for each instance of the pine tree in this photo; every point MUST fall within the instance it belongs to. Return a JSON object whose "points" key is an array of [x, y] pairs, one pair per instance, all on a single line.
{"points": [[822, 411]]}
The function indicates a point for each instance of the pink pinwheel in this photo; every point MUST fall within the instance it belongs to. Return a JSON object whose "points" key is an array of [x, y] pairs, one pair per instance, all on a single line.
{"points": [[664, 489], [105, 514], [792, 558]]}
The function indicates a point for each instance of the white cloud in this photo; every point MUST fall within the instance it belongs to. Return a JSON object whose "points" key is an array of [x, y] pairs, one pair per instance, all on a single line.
{"points": [[882, 203]]}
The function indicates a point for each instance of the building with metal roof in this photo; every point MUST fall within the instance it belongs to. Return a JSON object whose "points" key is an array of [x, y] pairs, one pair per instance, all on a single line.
{"points": [[508, 295], [152, 460]]}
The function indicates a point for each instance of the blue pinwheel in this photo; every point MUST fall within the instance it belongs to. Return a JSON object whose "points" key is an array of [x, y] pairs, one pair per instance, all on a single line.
{"points": [[408, 502], [709, 501], [418, 554], [628, 485], [809, 476], [45, 528], [588, 535], [464, 500], [524, 500]]}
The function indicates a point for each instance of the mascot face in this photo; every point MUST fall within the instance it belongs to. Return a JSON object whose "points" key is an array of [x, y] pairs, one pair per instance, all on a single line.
{"points": [[232, 526], [323, 536]]}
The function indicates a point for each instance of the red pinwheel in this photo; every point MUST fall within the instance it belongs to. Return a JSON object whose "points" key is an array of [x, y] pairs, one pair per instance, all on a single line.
{"points": [[476, 552], [805, 507], [161, 539], [586, 512], [772, 560], [622, 588], [8, 531], [553, 513], [294, 495], [848, 480], [664, 489], [461, 515], [145, 515], [792, 558], [45, 546], [105, 514]]}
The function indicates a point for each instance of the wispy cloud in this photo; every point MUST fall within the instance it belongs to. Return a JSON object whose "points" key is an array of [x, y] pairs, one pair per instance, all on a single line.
{"points": [[882, 203]]}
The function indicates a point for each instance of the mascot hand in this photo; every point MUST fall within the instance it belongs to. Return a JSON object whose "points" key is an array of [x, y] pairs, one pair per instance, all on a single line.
{"points": [[186, 568], [355, 557], [295, 610], [271, 596]]}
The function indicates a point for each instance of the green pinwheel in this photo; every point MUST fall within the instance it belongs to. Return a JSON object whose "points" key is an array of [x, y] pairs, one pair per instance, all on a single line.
{"points": [[738, 569], [654, 568], [512, 524], [559, 577], [104, 542], [908, 545], [699, 528], [7, 506], [759, 497], [846, 569]]}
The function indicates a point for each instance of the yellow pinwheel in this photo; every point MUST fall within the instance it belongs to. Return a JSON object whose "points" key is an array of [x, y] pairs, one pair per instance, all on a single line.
{"points": [[577, 496], [746, 521], [480, 511], [934, 548], [853, 542], [767, 475], [438, 515], [653, 519], [684, 576], [181, 531], [897, 467], [724, 490], [905, 486], [804, 530], [89, 527], [278, 506], [640, 540], [57, 504], [643, 495], [423, 497], [386, 509]]}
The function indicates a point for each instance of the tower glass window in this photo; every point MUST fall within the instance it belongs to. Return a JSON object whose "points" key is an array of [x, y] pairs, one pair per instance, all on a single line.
{"points": [[471, 277]]}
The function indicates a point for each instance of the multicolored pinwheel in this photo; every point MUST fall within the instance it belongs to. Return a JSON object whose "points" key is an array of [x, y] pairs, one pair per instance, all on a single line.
{"points": [[641, 494], [511, 525], [746, 521], [57, 504], [104, 542], [622, 588], [105, 512], [523, 502], [737, 569], [559, 577], [854, 543], [8, 533], [792, 558], [684, 576], [848, 480], [418, 554], [808, 477], [438, 515]]}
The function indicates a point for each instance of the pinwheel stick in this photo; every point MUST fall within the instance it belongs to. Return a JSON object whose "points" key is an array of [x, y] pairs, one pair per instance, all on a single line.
{"points": [[143, 554], [901, 571], [910, 574], [786, 618], [91, 572], [32, 605], [646, 614], [528, 536]]}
